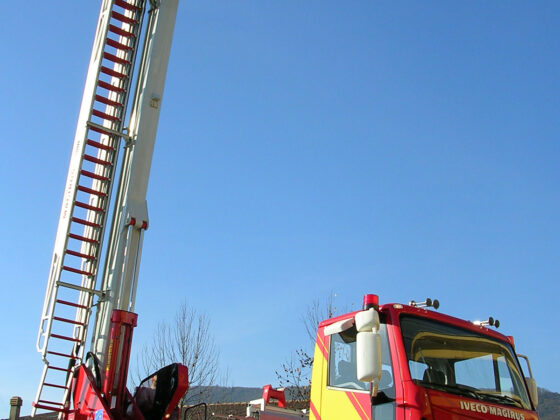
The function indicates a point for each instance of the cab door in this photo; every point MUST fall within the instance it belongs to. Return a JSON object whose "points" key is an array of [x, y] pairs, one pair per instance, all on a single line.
{"points": [[344, 397]]}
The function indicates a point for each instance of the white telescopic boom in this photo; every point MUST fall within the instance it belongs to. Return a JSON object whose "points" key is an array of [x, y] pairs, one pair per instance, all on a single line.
{"points": [[130, 214]]}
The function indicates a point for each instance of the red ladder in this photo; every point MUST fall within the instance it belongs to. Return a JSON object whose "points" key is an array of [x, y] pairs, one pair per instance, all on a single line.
{"points": [[71, 288]]}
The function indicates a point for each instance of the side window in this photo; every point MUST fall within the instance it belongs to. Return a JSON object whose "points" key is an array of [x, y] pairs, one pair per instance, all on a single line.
{"points": [[342, 362], [386, 384], [506, 384], [417, 369]]}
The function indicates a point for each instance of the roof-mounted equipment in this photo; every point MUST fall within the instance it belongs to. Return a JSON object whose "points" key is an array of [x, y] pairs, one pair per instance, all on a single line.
{"points": [[426, 304], [490, 321]]}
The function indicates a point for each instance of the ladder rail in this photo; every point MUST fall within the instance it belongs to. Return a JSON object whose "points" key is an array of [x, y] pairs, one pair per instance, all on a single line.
{"points": [[95, 205], [76, 163], [56, 269]]}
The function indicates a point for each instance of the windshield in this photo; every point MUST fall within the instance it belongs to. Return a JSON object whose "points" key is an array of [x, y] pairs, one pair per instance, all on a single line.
{"points": [[463, 362]]}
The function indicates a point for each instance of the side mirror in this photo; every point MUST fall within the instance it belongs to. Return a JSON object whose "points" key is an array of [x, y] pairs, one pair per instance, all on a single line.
{"points": [[531, 382], [157, 396], [532, 385], [368, 356], [368, 348]]}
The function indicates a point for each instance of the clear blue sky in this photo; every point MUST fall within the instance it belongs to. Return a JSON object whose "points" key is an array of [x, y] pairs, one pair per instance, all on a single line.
{"points": [[405, 148]]}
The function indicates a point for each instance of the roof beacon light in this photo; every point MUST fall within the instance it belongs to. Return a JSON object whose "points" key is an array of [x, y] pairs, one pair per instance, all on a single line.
{"points": [[426, 304], [490, 321], [371, 301]]}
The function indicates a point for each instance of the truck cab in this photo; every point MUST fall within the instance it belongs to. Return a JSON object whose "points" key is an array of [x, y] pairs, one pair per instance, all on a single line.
{"points": [[422, 365]]}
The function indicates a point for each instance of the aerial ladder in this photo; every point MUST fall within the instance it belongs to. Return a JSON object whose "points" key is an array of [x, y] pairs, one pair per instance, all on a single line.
{"points": [[94, 271]]}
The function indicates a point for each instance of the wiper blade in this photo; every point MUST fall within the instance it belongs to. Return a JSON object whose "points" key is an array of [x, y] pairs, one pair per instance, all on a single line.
{"points": [[462, 390], [502, 398], [454, 389]]}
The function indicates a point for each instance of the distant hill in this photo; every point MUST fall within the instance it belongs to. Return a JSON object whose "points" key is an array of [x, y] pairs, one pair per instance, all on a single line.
{"points": [[221, 394], [549, 405]]}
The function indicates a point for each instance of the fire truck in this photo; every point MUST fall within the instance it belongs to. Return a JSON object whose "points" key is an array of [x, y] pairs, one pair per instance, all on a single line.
{"points": [[398, 361], [409, 362], [384, 362]]}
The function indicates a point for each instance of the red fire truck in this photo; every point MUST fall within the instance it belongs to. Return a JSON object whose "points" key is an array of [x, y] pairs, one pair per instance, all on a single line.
{"points": [[402, 362], [389, 362], [408, 362]]}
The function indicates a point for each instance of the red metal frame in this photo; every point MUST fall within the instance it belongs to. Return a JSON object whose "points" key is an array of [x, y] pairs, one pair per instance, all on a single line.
{"points": [[87, 399], [182, 386], [118, 357], [113, 401], [277, 394]]}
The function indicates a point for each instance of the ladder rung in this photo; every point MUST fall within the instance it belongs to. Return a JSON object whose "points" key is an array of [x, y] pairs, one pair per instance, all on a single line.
{"points": [[55, 385], [69, 321], [50, 402], [63, 338], [82, 238], [54, 407], [88, 207], [105, 116], [94, 176], [94, 143], [127, 6], [118, 45], [69, 356], [113, 73], [121, 32], [75, 270], [107, 101], [79, 254], [91, 191], [96, 160], [76, 305], [115, 59], [85, 222], [123, 18]]}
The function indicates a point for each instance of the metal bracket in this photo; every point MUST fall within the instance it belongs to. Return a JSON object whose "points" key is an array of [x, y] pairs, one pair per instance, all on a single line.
{"points": [[80, 288], [122, 135]]}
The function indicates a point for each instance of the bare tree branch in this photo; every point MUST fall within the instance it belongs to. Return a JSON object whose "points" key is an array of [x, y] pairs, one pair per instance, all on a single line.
{"points": [[316, 312], [295, 373], [186, 339]]}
